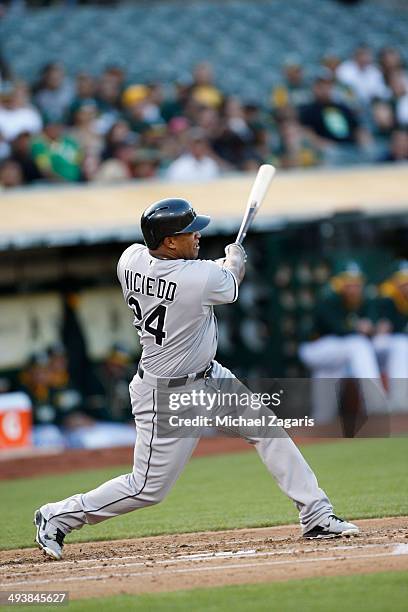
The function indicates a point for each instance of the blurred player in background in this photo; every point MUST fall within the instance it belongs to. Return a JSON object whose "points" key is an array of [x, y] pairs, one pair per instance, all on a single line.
{"points": [[344, 323], [391, 340]]}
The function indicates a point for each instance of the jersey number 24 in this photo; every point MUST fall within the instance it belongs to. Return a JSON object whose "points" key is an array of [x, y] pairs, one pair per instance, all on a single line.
{"points": [[154, 323]]}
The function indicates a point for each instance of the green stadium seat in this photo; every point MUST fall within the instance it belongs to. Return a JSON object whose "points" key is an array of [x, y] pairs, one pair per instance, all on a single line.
{"points": [[151, 36]]}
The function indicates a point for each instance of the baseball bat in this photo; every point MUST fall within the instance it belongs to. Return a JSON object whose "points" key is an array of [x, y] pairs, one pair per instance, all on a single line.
{"points": [[258, 192]]}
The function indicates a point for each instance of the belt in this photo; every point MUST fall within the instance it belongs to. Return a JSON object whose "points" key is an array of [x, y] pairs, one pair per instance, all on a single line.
{"points": [[175, 382]]}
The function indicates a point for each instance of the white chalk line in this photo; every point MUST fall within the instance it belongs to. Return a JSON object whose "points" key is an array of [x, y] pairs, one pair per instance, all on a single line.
{"points": [[55, 568], [10, 565], [152, 555], [237, 566], [401, 549]]}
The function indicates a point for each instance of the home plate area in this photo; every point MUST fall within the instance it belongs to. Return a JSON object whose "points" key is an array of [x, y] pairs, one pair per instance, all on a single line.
{"points": [[185, 561]]}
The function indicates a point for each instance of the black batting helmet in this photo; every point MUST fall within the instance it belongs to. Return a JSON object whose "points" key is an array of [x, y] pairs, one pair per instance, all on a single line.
{"points": [[169, 217]]}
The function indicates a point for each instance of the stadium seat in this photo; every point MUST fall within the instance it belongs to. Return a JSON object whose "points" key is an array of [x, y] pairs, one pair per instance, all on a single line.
{"points": [[167, 41]]}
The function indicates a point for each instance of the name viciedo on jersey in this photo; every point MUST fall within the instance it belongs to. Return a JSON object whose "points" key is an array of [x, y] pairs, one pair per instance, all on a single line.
{"points": [[172, 303]]}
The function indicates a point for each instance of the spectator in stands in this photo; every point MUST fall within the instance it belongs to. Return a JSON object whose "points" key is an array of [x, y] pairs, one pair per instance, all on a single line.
{"points": [[116, 74], [135, 100], [21, 154], [152, 140], [150, 151], [294, 91], [102, 112], [398, 147], [85, 89], [383, 120], [197, 163], [175, 105], [391, 340], [262, 147], [85, 129], [333, 125], [296, 149], [86, 133], [260, 125], [399, 91], [341, 92], [232, 149], [205, 118], [235, 120], [108, 99], [362, 76], [57, 155], [146, 164], [17, 115], [54, 93], [254, 115], [331, 62], [341, 345], [389, 60], [119, 167], [117, 133], [175, 144], [153, 104], [203, 90], [10, 174], [235, 141]]}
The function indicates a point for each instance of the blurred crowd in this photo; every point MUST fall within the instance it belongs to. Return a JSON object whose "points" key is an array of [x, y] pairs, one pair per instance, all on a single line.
{"points": [[105, 129]]}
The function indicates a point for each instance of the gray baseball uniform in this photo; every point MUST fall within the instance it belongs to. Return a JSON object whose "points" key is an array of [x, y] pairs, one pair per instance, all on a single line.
{"points": [[172, 301]]}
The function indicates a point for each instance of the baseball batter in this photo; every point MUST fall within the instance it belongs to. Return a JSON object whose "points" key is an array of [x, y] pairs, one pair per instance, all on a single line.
{"points": [[172, 294]]}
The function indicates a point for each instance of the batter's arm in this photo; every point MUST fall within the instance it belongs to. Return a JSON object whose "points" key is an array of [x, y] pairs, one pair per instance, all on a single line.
{"points": [[235, 260]]}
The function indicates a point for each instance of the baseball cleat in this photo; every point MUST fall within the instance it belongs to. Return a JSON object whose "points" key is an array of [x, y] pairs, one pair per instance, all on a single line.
{"points": [[333, 528], [49, 538]]}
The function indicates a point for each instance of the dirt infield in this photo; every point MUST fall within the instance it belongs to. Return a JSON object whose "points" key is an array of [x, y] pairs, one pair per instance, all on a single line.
{"points": [[185, 561]]}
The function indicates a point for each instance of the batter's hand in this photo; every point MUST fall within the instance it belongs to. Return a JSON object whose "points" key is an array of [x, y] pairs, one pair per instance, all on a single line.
{"points": [[235, 260], [236, 249]]}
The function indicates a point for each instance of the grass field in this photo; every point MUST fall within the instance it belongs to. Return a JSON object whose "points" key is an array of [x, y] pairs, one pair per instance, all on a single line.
{"points": [[366, 593], [363, 478]]}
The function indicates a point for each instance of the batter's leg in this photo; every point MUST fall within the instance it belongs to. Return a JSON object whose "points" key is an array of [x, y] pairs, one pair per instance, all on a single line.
{"points": [[157, 464], [286, 464], [295, 478]]}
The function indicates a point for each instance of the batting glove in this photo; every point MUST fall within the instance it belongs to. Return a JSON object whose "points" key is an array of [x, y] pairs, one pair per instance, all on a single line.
{"points": [[236, 249]]}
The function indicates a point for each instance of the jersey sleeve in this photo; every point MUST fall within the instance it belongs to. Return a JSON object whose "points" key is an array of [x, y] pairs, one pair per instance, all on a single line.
{"points": [[125, 258], [221, 286]]}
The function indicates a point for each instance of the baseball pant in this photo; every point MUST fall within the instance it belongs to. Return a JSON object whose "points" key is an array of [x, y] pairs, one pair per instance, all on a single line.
{"points": [[392, 353], [158, 462], [336, 357]]}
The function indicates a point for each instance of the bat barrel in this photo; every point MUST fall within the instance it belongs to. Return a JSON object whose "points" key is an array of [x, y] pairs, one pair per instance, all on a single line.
{"points": [[263, 179]]}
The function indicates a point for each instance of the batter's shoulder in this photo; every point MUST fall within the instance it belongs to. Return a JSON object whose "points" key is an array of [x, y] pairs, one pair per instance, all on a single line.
{"points": [[205, 264], [202, 268], [128, 253]]}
